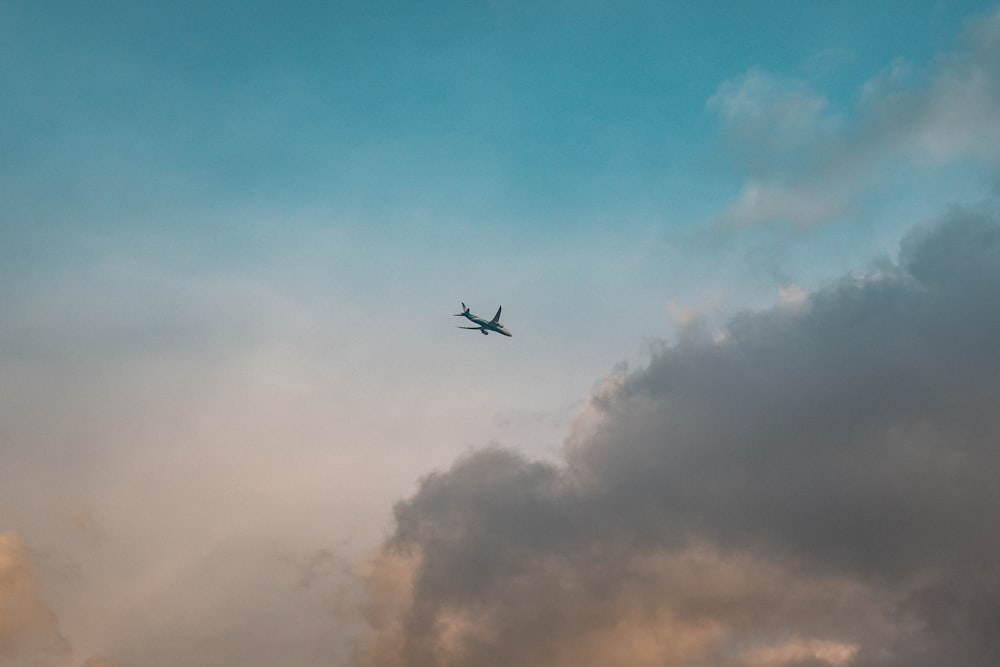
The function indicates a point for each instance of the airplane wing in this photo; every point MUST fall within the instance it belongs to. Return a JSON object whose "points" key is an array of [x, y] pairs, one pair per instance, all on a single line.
{"points": [[496, 318], [468, 327]]}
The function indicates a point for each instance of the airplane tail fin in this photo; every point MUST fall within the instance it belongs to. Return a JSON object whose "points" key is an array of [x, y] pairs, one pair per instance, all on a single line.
{"points": [[465, 310]]}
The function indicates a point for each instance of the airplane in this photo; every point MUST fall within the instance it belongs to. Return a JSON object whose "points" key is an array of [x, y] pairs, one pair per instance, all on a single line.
{"points": [[484, 326]]}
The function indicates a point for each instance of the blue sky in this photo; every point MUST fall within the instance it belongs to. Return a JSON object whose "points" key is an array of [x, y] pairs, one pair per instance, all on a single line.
{"points": [[530, 114], [421, 139], [232, 238]]}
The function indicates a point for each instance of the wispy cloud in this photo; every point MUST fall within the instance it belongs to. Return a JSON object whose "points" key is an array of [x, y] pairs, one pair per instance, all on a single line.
{"points": [[809, 163], [807, 490]]}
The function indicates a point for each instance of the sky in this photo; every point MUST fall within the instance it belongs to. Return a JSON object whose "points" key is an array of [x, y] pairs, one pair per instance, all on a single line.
{"points": [[749, 255]]}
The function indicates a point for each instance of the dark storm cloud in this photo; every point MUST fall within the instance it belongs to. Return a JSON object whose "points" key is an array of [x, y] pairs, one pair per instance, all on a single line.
{"points": [[817, 486], [873, 383]]}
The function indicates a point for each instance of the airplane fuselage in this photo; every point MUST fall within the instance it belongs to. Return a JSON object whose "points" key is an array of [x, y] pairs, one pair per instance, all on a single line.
{"points": [[485, 326]]}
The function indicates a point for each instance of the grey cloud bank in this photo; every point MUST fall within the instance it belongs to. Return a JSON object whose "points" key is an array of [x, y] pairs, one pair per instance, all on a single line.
{"points": [[817, 486]]}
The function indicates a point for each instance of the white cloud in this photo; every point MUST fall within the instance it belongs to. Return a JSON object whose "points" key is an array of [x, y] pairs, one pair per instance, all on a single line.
{"points": [[758, 99], [683, 316], [808, 164], [764, 203], [798, 651], [775, 124], [792, 296]]}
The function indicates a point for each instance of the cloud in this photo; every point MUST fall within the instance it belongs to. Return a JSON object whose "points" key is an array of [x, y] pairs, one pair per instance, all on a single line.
{"points": [[807, 163], [762, 202], [29, 630], [99, 662], [29, 635], [798, 652], [816, 487], [792, 296], [776, 124]]}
